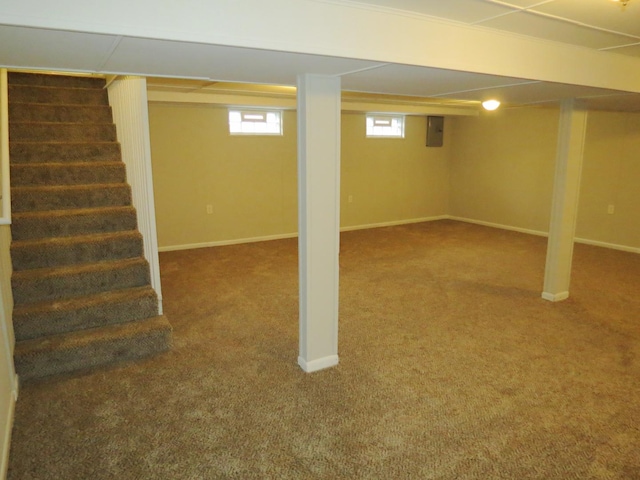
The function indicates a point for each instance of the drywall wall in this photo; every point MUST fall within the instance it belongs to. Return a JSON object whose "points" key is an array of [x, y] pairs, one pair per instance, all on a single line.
{"points": [[251, 184], [502, 171], [611, 177], [248, 181], [390, 179], [502, 167]]}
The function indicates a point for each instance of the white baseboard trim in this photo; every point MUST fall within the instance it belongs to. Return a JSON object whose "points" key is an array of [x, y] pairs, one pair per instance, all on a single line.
{"points": [[220, 243], [237, 241], [595, 243], [555, 297], [613, 246], [538, 233], [6, 446], [394, 223], [319, 364]]}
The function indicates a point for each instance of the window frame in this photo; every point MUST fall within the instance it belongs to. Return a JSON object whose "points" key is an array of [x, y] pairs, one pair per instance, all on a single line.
{"points": [[254, 116], [372, 118]]}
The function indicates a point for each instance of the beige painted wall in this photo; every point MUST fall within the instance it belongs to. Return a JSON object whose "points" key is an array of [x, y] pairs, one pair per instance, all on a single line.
{"points": [[392, 179], [251, 180], [503, 165], [496, 168], [611, 176]]}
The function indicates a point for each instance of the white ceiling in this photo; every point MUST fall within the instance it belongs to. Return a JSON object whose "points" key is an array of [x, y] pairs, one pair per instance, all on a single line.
{"points": [[593, 24], [598, 24]]}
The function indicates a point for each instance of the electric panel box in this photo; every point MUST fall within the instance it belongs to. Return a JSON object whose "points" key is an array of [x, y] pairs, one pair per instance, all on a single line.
{"points": [[435, 131]]}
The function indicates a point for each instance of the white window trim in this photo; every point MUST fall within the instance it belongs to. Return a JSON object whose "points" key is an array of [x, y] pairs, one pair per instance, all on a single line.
{"points": [[254, 121], [385, 122]]}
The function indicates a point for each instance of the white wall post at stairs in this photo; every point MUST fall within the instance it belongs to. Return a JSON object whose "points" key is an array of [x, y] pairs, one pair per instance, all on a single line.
{"points": [[318, 219], [566, 189], [128, 100]]}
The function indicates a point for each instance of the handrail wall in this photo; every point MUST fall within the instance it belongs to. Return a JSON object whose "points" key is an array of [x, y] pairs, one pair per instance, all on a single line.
{"points": [[5, 192]]}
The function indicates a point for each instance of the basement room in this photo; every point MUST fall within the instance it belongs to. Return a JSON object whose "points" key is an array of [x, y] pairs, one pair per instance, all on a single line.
{"points": [[320, 239]]}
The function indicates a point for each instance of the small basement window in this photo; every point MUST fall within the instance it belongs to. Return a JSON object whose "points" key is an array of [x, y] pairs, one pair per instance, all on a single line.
{"points": [[391, 126], [255, 122]]}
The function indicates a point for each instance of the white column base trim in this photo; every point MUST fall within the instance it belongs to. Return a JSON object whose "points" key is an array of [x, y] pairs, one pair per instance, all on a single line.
{"points": [[319, 364], [557, 297]]}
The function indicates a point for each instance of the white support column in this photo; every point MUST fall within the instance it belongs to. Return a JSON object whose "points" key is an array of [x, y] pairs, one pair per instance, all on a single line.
{"points": [[571, 138], [128, 100], [318, 219]]}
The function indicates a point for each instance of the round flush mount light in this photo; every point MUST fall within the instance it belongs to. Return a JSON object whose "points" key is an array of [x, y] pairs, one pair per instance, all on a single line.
{"points": [[490, 104]]}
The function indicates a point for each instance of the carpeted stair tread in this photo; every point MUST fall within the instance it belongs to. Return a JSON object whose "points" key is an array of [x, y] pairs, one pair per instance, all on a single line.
{"points": [[21, 78], [39, 152], [70, 222], [81, 285], [44, 284], [67, 173], [105, 308], [70, 196], [59, 251], [57, 95], [90, 348], [52, 132], [46, 112]]}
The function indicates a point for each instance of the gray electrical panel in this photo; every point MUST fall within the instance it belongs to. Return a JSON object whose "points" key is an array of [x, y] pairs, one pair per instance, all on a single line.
{"points": [[435, 131]]}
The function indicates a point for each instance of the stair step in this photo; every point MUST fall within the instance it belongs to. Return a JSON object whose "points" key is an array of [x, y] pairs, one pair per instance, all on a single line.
{"points": [[61, 132], [86, 349], [61, 316], [59, 251], [46, 284], [67, 173], [40, 152], [25, 199], [41, 79], [66, 223], [43, 112], [57, 95]]}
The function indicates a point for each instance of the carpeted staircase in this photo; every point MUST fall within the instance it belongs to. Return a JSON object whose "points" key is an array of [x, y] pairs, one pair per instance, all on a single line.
{"points": [[81, 285]]}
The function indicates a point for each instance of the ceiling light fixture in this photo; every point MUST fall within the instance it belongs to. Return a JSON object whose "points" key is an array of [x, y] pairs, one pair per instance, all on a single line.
{"points": [[622, 2], [490, 104]]}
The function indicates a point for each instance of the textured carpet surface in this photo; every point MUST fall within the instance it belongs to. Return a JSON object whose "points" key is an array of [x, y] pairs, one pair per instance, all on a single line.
{"points": [[451, 367], [77, 256]]}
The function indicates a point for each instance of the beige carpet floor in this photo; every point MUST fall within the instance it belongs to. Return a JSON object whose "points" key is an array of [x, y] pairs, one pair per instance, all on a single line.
{"points": [[451, 367]]}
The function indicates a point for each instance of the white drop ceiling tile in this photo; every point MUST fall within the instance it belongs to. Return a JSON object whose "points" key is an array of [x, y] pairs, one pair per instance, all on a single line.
{"points": [[176, 82], [419, 81], [632, 50], [522, 3], [534, 25], [614, 103], [597, 13], [532, 93], [39, 48], [166, 58], [464, 11]]}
